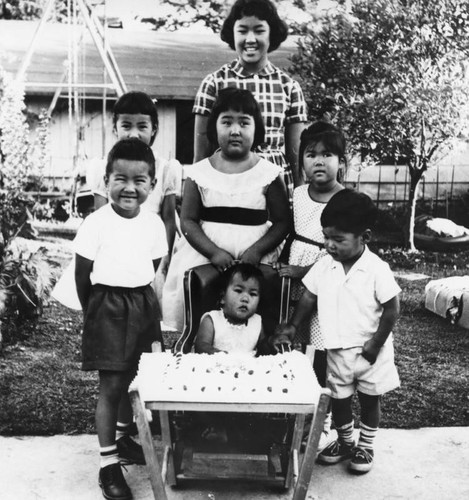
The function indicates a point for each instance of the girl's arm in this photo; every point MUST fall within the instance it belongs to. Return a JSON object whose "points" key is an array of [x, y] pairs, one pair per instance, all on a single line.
{"points": [[168, 216], [389, 317], [156, 263], [205, 336], [202, 147], [190, 225], [279, 214], [83, 268], [292, 142]]}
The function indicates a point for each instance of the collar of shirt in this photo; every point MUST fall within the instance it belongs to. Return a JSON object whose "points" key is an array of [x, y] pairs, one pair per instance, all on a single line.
{"points": [[241, 72], [360, 265]]}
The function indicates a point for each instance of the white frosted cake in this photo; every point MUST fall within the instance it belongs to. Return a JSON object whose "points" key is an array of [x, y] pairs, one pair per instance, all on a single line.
{"points": [[231, 378]]}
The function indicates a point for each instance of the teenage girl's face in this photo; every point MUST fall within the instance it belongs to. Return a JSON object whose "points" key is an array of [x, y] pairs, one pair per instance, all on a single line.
{"points": [[241, 298], [134, 125], [235, 133], [252, 41], [129, 185], [320, 165]]}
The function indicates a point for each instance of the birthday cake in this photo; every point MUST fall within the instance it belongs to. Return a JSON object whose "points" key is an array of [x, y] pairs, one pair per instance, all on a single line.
{"points": [[221, 377]]}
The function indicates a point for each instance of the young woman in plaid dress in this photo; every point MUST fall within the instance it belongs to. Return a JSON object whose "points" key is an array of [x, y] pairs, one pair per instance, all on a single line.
{"points": [[253, 29]]}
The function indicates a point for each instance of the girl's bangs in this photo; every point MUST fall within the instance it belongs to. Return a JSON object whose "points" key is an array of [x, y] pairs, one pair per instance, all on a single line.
{"points": [[331, 141]]}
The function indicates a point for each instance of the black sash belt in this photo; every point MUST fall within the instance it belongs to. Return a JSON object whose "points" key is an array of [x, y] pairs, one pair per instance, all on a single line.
{"points": [[307, 240], [234, 215]]}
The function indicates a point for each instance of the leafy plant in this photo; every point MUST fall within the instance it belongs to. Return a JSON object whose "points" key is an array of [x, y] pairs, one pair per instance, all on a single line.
{"points": [[23, 279], [394, 75]]}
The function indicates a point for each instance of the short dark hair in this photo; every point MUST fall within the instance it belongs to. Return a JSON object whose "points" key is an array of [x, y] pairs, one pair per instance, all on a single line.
{"points": [[136, 102], [237, 100], [264, 10], [349, 211], [247, 271], [132, 149], [328, 134]]}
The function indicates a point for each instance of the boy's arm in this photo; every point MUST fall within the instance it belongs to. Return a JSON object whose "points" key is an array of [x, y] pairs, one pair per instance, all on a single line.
{"points": [[83, 268], [204, 337], [306, 306], [389, 317]]}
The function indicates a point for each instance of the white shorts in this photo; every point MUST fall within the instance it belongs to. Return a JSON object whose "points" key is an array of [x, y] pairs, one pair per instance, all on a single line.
{"points": [[348, 370]]}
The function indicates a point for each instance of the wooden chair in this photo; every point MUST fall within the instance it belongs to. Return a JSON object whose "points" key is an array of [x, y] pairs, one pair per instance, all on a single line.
{"points": [[185, 457], [201, 294]]}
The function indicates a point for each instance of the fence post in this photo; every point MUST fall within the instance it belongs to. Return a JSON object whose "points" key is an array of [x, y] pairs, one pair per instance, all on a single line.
{"points": [[379, 186], [405, 183]]}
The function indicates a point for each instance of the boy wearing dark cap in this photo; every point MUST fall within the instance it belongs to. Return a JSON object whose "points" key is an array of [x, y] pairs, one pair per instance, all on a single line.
{"points": [[356, 296]]}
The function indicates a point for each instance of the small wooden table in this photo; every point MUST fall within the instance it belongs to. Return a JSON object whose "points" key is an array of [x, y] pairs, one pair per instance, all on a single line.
{"points": [[296, 475]]}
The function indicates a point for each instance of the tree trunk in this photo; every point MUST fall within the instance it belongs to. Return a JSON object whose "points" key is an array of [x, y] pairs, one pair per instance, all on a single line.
{"points": [[415, 178]]}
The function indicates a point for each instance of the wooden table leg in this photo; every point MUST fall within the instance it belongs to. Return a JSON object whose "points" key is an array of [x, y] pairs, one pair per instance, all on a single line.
{"points": [[294, 449], [168, 445], [149, 450], [306, 469]]}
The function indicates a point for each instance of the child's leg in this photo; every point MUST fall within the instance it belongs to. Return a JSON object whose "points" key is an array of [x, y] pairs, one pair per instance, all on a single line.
{"points": [[112, 385], [342, 448], [343, 419], [370, 411], [130, 452]]}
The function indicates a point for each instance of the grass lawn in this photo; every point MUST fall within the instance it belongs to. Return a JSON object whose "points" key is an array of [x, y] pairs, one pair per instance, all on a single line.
{"points": [[43, 391]]}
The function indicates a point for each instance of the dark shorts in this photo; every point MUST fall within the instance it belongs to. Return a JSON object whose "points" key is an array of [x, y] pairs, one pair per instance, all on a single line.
{"points": [[120, 324]]}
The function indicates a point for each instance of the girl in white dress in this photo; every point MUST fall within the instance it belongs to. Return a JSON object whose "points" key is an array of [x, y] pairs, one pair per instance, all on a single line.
{"points": [[322, 160], [234, 328], [234, 206]]}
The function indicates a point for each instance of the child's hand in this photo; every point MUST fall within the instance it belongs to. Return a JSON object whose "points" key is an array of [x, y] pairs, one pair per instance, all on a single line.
{"points": [[371, 350], [251, 256], [222, 260], [284, 334], [289, 271], [278, 342]]}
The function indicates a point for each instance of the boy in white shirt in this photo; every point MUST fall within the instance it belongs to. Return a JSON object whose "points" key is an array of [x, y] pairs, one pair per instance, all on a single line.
{"points": [[118, 248], [356, 296]]}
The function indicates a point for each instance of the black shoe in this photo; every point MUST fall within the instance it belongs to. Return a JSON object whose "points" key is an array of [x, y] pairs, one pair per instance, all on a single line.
{"points": [[113, 484], [130, 452]]}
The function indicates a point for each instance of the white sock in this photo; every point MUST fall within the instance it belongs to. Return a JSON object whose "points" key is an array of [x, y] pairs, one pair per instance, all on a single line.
{"points": [[366, 437], [108, 455], [122, 430]]}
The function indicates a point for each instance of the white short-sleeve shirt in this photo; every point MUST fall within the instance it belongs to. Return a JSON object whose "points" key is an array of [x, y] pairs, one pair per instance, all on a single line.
{"points": [[350, 305], [122, 250]]}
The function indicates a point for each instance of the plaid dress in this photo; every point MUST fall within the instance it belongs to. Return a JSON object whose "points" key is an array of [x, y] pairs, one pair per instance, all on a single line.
{"points": [[279, 96]]}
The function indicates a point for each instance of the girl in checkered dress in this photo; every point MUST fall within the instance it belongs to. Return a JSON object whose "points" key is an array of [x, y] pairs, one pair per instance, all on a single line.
{"points": [[253, 29]]}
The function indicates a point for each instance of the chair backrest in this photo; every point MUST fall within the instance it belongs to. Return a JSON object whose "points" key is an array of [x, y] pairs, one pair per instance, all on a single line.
{"points": [[201, 294]]}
